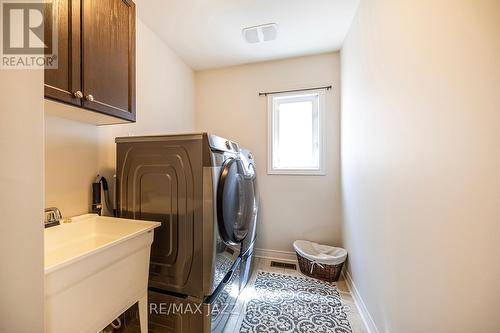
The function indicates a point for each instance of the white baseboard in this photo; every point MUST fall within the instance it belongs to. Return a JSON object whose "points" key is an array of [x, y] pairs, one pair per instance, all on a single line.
{"points": [[360, 304], [276, 255]]}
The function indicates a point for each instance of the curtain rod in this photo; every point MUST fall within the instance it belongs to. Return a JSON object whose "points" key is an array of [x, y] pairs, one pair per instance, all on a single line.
{"points": [[294, 90]]}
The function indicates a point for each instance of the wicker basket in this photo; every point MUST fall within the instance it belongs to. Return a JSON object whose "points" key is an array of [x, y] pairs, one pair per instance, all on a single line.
{"points": [[330, 273]]}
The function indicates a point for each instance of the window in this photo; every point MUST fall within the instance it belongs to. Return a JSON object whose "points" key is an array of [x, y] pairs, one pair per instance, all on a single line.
{"points": [[296, 133]]}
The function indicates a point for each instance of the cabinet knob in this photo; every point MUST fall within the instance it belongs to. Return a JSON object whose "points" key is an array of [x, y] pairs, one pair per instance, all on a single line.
{"points": [[78, 94], [89, 98]]}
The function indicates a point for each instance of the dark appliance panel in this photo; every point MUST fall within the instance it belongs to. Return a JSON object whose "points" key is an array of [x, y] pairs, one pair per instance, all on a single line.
{"points": [[162, 182]]}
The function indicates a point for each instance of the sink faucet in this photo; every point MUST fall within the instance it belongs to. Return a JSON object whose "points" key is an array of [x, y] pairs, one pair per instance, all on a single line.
{"points": [[53, 217]]}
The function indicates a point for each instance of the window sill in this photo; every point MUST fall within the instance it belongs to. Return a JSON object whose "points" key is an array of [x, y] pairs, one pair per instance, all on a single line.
{"points": [[297, 172]]}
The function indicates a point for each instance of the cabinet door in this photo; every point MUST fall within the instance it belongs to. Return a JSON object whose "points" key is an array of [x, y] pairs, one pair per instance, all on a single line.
{"points": [[108, 57], [62, 83]]}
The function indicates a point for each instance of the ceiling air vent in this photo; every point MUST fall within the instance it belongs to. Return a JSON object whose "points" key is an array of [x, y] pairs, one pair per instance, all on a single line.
{"points": [[261, 33]]}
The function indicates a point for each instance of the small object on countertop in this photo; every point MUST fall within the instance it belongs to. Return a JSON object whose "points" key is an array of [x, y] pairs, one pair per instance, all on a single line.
{"points": [[96, 198], [320, 261]]}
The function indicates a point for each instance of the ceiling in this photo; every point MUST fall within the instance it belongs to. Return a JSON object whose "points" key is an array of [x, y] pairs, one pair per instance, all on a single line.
{"points": [[208, 33]]}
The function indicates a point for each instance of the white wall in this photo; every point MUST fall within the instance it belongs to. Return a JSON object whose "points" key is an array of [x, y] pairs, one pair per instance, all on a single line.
{"points": [[421, 163], [21, 201], [71, 150], [165, 97], [76, 152], [227, 104]]}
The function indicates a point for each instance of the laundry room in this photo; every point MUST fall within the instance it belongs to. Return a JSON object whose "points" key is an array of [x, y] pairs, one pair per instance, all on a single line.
{"points": [[249, 166]]}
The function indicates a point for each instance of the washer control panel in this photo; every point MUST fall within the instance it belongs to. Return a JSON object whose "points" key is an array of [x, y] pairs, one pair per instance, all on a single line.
{"points": [[221, 144]]}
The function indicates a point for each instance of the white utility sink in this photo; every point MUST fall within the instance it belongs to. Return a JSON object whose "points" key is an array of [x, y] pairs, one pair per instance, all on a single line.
{"points": [[95, 268]]}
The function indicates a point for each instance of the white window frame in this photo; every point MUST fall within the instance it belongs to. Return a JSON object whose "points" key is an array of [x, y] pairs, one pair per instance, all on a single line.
{"points": [[271, 133]]}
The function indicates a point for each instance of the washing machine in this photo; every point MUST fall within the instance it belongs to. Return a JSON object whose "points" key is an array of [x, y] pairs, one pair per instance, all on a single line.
{"points": [[203, 191], [248, 243]]}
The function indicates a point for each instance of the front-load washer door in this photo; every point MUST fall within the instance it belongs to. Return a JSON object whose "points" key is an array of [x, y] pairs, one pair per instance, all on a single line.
{"points": [[234, 193], [253, 208]]}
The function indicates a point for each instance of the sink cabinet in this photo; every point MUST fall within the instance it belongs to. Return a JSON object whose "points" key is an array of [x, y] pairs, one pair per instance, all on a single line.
{"points": [[96, 57]]}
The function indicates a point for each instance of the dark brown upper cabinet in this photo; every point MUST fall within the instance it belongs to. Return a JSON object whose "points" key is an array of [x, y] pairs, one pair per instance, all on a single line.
{"points": [[96, 57], [63, 83]]}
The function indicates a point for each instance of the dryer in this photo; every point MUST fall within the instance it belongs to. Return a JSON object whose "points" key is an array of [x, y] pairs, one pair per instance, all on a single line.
{"points": [[204, 194]]}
